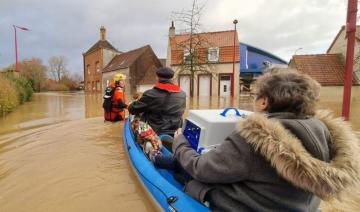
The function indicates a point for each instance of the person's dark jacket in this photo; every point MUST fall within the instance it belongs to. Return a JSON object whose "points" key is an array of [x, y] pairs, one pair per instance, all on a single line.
{"points": [[277, 163], [162, 107]]}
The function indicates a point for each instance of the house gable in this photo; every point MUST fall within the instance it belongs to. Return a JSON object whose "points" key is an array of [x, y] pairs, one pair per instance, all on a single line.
{"points": [[223, 40]]}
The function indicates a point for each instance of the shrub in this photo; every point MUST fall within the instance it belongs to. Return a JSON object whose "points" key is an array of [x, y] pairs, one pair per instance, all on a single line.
{"points": [[8, 96], [24, 88]]}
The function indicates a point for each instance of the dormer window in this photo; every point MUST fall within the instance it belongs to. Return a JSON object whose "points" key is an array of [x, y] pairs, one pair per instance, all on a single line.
{"points": [[213, 54]]}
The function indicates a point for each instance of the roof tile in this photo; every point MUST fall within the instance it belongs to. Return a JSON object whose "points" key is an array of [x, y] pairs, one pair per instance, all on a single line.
{"points": [[101, 44], [214, 39], [327, 69], [125, 59]]}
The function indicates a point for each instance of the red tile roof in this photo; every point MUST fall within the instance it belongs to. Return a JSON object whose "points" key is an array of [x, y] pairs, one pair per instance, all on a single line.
{"points": [[101, 44], [125, 60], [215, 39], [327, 69], [224, 40]]}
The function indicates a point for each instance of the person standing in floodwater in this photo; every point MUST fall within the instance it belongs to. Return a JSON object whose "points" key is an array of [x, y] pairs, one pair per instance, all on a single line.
{"points": [[114, 99], [163, 105]]}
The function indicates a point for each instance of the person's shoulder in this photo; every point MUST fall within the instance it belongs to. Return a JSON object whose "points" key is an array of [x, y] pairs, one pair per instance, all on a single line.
{"points": [[180, 93], [236, 137], [151, 92]]}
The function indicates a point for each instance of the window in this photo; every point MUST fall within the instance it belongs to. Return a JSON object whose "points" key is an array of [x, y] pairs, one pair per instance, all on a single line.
{"points": [[97, 66], [187, 55], [213, 54], [88, 69]]}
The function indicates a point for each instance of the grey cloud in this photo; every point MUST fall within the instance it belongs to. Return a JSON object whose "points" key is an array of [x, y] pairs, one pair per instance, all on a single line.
{"points": [[70, 27]]}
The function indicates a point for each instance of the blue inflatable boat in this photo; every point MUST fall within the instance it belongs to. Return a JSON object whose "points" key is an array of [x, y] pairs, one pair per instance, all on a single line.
{"points": [[165, 191]]}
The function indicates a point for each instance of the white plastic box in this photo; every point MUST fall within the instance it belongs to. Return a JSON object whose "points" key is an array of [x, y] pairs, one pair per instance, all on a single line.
{"points": [[206, 129]]}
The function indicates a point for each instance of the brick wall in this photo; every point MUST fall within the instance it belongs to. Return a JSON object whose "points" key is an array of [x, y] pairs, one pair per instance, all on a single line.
{"points": [[145, 68], [92, 77]]}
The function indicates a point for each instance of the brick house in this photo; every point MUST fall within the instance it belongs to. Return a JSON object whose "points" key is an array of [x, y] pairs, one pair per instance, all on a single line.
{"points": [[95, 59], [338, 46], [139, 66], [102, 61], [327, 69], [218, 50]]}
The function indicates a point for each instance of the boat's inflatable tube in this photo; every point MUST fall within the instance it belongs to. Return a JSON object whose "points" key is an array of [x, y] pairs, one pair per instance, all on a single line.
{"points": [[163, 188]]}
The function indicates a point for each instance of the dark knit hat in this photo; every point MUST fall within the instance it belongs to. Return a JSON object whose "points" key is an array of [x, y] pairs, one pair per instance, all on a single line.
{"points": [[165, 72]]}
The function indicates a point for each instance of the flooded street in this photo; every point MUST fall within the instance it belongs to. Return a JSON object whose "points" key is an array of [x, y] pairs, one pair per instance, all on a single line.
{"points": [[53, 159], [57, 154]]}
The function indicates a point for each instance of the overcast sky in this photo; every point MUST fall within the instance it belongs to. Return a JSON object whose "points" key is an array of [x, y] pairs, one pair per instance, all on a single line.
{"points": [[70, 27]]}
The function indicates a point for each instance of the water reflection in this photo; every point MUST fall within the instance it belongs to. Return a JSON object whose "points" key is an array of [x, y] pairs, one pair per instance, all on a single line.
{"points": [[45, 109], [93, 105]]}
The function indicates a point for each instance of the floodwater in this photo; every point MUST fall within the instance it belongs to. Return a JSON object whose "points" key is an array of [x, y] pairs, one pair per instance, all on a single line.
{"points": [[57, 154], [53, 159]]}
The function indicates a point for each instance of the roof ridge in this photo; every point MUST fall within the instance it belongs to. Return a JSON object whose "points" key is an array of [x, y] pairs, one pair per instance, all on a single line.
{"points": [[128, 58], [140, 48], [271, 54], [98, 45], [213, 32]]}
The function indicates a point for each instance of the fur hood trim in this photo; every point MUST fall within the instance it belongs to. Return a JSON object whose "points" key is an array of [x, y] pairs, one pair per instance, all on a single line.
{"points": [[291, 160]]}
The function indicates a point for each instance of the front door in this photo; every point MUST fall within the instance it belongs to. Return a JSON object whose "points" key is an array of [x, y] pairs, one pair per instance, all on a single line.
{"points": [[225, 85], [204, 85], [184, 82]]}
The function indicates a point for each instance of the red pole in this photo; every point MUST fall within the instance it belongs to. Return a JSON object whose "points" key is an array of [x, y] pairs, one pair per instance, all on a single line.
{"points": [[233, 71], [16, 52], [350, 30]]}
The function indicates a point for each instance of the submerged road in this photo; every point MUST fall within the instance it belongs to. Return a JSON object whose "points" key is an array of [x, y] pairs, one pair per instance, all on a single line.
{"points": [[65, 162]]}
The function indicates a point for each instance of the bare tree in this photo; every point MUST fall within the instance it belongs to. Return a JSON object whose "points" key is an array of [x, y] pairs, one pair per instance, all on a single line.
{"points": [[57, 67], [34, 71], [195, 46]]}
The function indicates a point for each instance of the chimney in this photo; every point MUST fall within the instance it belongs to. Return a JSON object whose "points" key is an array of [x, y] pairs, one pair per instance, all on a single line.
{"points": [[102, 33], [172, 30]]}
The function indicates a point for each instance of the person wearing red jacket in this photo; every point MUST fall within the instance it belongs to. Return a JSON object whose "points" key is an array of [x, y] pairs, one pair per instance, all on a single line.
{"points": [[114, 103]]}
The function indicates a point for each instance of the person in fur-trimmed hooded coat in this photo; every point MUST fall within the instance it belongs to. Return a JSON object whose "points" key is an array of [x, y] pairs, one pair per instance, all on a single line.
{"points": [[284, 157]]}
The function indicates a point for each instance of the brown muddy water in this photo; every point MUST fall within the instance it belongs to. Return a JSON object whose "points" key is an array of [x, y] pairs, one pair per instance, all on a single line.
{"points": [[57, 154]]}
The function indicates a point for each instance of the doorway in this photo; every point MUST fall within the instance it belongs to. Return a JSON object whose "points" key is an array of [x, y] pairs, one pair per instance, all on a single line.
{"points": [[184, 83], [204, 86], [225, 85]]}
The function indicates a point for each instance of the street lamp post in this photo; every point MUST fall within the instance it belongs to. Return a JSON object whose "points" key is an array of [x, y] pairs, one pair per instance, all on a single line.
{"points": [[297, 50], [350, 33], [233, 71], [16, 50]]}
